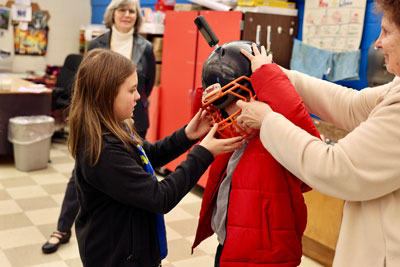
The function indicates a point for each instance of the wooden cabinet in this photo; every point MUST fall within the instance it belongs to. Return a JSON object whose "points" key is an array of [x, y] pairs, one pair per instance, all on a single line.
{"points": [[323, 224], [324, 212], [283, 30], [184, 52]]}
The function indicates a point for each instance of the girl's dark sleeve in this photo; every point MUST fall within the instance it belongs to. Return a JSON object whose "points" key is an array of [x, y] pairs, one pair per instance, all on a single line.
{"points": [[120, 175]]}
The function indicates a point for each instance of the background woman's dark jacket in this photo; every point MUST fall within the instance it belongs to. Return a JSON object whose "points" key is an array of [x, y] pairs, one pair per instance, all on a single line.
{"points": [[143, 57], [116, 224]]}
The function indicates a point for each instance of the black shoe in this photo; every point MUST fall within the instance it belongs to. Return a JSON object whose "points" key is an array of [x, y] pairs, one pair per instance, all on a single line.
{"points": [[50, 248]]}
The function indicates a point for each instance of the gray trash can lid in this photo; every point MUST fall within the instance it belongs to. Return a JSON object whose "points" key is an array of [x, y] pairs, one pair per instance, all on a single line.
{"points": [[30, 129]]}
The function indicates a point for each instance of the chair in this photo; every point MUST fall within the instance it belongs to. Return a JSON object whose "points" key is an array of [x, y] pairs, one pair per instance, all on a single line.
{"points": [[61, 97]]}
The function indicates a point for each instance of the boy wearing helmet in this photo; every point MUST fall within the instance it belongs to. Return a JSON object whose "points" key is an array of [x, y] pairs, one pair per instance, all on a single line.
{"points": [[253, 204]]}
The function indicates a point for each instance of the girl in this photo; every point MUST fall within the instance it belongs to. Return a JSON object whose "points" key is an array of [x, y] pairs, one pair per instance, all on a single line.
{"points": [[121, 201]]}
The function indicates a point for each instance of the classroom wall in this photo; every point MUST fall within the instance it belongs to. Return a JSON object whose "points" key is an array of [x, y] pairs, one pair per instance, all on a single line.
{"points": [[63, 38]]}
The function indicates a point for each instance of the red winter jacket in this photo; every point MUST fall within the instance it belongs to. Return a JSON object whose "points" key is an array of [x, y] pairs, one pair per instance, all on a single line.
{"points": [[266, 212]]}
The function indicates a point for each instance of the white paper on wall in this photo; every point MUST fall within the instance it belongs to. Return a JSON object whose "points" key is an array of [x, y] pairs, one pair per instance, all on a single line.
{"points": [[335, 25], [21, 13]]}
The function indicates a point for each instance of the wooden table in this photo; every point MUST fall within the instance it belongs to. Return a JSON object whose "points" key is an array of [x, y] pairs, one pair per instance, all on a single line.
{"points": [[14, 102]]}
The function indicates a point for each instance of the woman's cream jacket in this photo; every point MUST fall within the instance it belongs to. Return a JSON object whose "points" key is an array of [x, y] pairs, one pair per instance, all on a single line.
{"points": [[363, 168]]}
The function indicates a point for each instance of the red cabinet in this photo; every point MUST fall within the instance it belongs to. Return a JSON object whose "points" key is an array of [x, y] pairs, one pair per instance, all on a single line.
{"points": [[184, 52]]}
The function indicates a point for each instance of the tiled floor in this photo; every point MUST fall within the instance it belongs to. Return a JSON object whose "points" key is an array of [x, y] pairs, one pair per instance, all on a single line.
{"points": [[30, 204]]}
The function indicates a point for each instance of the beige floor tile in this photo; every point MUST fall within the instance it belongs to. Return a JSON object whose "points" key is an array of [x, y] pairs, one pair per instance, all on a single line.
{"points": [[52, 264], [56, 153], [181, 249], [14, 221], [307, 262], [74, 263], [37, 203], [193, 196], [177, 214], [29, 255], [17, 181], [184, 227], [55, 188], [56, 178], [26, 192], [9, 171], [4, 195], [64, 167], [192, 208], [9, 207], [20, 237], [3, 260], [172, 234], [59, 197], [47, 170], [61, 159], [201, 261], [43, 216], [69, 251], [209, 245]]}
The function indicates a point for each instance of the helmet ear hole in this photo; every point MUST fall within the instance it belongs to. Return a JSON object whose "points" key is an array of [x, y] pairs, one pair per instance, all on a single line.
{"points": [[222, 52]]}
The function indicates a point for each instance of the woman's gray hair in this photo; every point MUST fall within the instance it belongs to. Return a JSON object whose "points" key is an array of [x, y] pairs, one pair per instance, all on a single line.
{"points": [[114, 5]]}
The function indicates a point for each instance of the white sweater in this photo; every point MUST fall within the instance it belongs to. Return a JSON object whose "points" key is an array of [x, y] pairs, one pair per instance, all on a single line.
{"points": [[363, 168], [122, 42]]}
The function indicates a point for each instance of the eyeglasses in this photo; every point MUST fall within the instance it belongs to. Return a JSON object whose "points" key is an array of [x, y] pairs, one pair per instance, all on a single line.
{"points": [[132, 12]]}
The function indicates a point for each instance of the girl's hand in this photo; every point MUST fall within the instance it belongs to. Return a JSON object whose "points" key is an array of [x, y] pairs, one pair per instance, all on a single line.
{"points": [[260, 57], [219, 146], [199, 126]]}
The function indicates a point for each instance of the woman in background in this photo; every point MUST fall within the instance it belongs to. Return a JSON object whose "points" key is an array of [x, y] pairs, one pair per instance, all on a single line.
{"points": [[363, 167], [124, 18]]}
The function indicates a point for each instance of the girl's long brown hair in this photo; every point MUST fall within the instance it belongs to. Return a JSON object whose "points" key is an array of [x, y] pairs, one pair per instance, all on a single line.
{"points": [[99, 76]]}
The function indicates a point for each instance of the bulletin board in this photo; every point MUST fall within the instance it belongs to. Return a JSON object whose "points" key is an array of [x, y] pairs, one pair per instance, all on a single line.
{"points": [[30, 33], [335, 25]]}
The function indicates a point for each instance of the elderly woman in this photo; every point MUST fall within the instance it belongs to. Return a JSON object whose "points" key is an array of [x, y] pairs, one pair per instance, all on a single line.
{"points": [[362, 168], [123, 18]]}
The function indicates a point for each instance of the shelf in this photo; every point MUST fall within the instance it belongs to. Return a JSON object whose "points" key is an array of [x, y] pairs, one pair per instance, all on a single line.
{"points": [[152, 28]]}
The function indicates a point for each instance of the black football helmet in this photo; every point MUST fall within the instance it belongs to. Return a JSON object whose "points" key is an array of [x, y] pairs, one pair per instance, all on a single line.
{"points": [[225, 78]]}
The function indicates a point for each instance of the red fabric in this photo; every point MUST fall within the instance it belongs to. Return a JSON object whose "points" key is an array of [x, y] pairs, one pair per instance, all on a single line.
{"points": [[266, 214], [196, 100]]}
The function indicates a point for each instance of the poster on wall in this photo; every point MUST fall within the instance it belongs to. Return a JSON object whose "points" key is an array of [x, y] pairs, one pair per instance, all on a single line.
{"points": [[30, 41], [335, 25], [4, 18]]}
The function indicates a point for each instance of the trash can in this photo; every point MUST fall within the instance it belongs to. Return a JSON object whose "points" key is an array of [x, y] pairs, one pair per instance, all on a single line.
{"points": [[31, 138]]}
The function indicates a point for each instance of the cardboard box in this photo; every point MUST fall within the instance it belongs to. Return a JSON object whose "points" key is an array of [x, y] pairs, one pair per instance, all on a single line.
{"points": [[187, 7], [158, 75], [157, 48]]}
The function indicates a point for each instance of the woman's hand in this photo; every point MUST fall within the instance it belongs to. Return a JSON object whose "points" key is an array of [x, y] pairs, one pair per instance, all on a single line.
{"points": [[253, 114], [260, 57], [199, 126], [219, 146]]}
